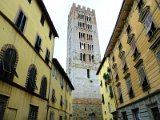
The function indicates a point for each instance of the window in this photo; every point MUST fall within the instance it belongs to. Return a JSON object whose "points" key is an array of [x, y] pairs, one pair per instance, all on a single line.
{"points": [[66, 104], [149, 25], [84, 57], [51, 116], [120, 46], [80, 45], [103, 99], [113, 59], [89, 58], [155, 113], [53, 96], [50, 34], [21, 21], [47, 58], [140, 5], [110, 91], [61, 101], [43, 88], [92, 58], [106, 88], [120, 97], [31, 78], [128, 30], [55, 73], [124, 116], [60, 118], [158, 55], [136, 114], [81, 56], [129, 87], [101, 83], [38, 44], [88, 73], [33, 113], [124, 64], [8, 62], [143, 78], [29, 1], [109, 107], [3, 102], [42, 20], [134, 50], [62, 82]]}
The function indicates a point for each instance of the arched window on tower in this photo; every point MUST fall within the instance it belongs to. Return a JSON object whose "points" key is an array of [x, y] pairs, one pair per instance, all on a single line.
{"points": [[43, 88], [31, 78], [81, 56], [92, 58], [84, 57], [89, 58], [8, 62]]}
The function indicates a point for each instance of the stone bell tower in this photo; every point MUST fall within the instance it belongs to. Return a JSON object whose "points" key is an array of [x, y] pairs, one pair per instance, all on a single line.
{"points": [[83, 57]]}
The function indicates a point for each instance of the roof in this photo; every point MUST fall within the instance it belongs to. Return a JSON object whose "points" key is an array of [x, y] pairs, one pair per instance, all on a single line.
{"points": [[45, 13], [63, 73], [100, 66], [123, 14]]}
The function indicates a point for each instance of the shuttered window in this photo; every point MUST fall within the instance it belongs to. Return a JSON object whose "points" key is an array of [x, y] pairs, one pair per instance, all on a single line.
{"points": [[8, 64], [33, 113], [42, 20], [21, 21], [47, 58], [158, 55], [149, 25], [3, 102], [43, 89], [31, 78], [38, 44], [143, 78], [51, 116]]}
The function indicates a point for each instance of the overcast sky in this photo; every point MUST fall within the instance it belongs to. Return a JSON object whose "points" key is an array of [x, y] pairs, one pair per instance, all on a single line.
{"points": [[106, 15]]}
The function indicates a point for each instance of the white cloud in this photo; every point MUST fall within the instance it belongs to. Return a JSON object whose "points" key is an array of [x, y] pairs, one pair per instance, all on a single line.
{"points": [[106, 15]]}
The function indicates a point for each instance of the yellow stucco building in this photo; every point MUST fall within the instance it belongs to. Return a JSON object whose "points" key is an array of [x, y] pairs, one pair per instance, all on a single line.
{"points": [[26, 66], [60, 97], [134, 56], [106, 89]]}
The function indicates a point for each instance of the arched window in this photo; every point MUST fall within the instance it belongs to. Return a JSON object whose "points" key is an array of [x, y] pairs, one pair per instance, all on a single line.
{"points": [[8, 62], [92, 58], [31, 78], [43, 89], [84, 57], [81, 56]]}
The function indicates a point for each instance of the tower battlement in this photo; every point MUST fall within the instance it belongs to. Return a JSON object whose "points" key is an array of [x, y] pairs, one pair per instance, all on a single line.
{"points": [[82, 8]]}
